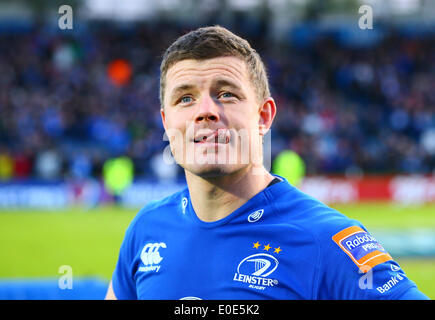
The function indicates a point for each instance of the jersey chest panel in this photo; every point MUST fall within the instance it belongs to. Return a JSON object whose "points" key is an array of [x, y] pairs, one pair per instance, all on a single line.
{"points": [[229, 263]]}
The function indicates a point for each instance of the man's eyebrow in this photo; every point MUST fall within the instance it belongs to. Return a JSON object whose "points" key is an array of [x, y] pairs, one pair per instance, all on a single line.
{"points": [[218, 83], [181, 88], [226, 83]]}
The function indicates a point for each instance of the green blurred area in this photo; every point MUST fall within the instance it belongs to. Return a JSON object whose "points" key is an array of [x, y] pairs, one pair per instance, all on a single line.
{"points": [[390, 215], [36, 243]]}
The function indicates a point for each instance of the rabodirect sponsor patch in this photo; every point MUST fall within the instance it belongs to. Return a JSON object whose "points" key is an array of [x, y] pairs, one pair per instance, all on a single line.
{"points": [[361, 247]]}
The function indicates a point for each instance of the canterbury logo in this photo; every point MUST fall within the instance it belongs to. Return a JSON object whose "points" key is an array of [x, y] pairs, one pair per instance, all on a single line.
{"points": [[150, 257]]}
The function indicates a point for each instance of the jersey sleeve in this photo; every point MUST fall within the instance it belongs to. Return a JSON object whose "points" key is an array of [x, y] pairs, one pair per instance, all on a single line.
{"points": [[355, 266], [123, 277], [413, 294]]}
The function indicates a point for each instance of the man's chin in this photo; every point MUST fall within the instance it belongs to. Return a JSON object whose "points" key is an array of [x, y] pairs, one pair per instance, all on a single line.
{"points": [[209, 171]]}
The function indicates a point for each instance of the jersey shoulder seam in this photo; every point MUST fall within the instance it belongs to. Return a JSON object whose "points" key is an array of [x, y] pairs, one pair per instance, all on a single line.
{"points": [[154, 206], [317, 241]]}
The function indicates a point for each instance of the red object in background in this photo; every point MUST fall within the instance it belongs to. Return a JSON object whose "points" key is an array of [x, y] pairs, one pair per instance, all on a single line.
{"points": [[403, 188], [374, 188], [119, 72], [22, 166]]}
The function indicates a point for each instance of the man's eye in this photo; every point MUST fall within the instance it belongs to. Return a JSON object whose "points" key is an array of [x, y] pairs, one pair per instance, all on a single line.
{"points": [[186, 99], [227, 95]]}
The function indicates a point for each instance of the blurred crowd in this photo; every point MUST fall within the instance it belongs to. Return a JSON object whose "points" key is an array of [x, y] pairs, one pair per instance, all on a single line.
{"points": [[71, 100]]}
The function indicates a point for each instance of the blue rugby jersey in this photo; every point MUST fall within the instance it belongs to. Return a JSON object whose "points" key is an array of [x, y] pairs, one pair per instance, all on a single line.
{"points": [[281, 244]]}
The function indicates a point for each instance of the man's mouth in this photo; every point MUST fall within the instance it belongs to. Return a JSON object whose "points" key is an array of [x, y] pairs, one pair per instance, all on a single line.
{"points": [[221, 136]]}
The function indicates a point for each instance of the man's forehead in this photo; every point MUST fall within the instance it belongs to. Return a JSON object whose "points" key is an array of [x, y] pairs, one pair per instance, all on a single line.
{"points": [[232, 67]]}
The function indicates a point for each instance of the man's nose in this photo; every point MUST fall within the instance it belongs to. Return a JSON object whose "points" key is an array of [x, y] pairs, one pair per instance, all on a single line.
{"points": [[208, 110]]}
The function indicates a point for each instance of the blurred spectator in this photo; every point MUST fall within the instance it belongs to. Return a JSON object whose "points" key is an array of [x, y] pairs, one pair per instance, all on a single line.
{"points": [[119, 72], [48, 165], [288, 164], [6, 166], [80, 166], [22, 165], [118, 174], [428, 141]]}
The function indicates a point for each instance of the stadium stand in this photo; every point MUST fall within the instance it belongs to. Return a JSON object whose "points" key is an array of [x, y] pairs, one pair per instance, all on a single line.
{"points": [[63, 111]]}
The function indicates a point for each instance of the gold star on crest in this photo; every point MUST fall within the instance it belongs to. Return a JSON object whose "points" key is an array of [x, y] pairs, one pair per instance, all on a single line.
{"points": [[267, 247], [256, 245], [277, 250]]}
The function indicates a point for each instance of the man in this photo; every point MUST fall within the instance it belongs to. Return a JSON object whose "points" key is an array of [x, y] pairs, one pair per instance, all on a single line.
{"points": [[236, 231]]}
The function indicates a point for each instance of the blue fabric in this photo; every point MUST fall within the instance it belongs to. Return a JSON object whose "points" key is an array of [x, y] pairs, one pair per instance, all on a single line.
{"points": [[413, 294]]}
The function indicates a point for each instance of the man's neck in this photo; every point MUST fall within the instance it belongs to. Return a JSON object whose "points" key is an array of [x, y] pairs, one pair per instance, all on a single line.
{"points": [[215, 198]]}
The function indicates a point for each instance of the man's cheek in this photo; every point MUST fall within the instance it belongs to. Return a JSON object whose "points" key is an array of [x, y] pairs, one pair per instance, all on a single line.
{"points": [[175, 137]]}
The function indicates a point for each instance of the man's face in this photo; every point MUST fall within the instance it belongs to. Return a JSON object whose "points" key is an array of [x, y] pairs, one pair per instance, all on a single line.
{"points": [[212, 117]]}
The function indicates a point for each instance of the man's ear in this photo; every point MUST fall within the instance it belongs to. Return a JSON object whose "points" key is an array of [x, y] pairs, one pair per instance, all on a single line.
{"points": [[267, 113], [162, 114]]}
